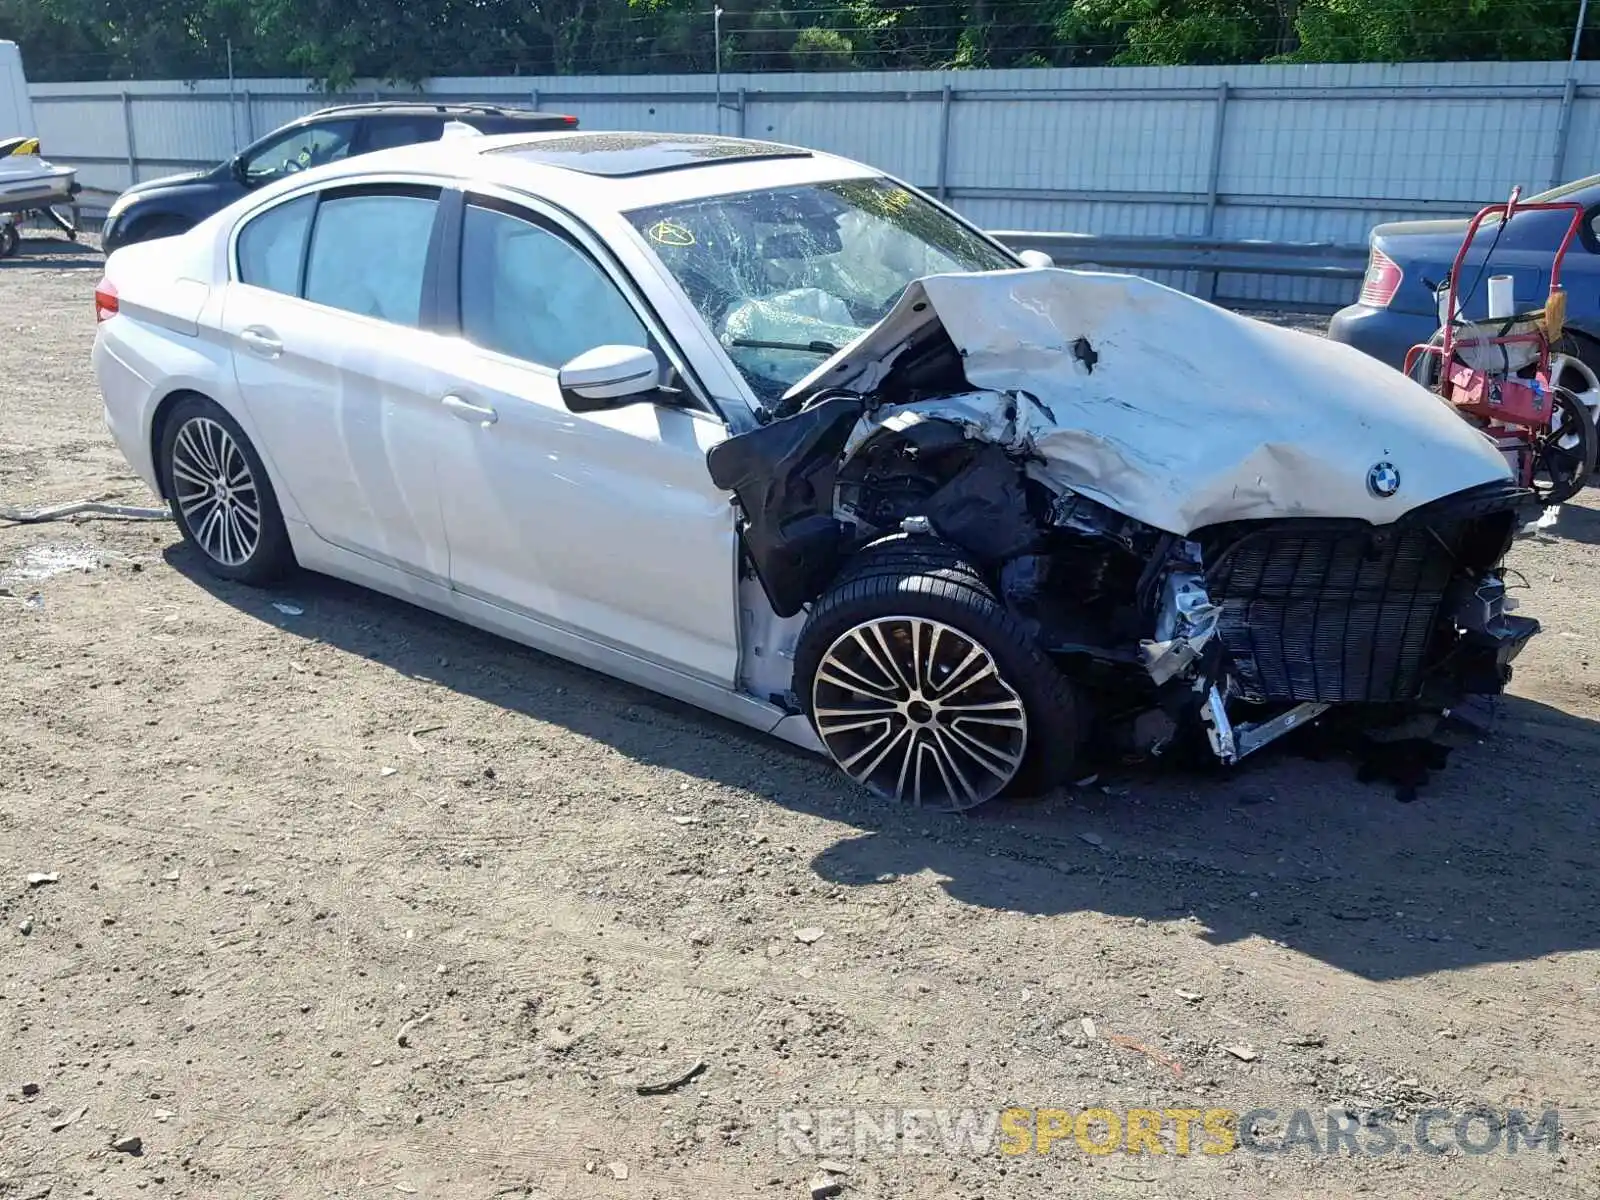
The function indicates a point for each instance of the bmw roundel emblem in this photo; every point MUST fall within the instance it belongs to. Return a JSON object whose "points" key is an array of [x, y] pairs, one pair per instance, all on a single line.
{"points": [[1383, 480]]}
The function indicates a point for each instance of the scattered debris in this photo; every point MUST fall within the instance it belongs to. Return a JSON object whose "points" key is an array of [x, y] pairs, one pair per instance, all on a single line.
{"points": [[1087, 1025], [25, 926], [131, 1144], [406, 1188], [833, 1167], [30, 1089], [163, 1115], [662, 1087], [403, 1034], [1087, 781], [1186, 994], [619, 1170], [1243, 1053], [40, 878], [414, 734], [683, 819], [126, 512], [1094, 839], [1306, 1040], [288, 610], [823, 1186], [1155, 1056], [388, 771], [810, 935], [58, 1126]]}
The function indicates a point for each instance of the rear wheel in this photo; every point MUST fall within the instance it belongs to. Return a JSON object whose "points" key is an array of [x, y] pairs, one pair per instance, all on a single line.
{"points": [[10, 239], [924, 689], [220, 494]]}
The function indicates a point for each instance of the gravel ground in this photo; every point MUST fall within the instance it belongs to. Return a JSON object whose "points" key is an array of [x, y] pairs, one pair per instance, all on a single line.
{"points": [[351, 900]]}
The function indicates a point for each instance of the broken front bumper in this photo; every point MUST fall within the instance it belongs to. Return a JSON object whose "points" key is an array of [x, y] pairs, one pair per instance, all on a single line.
{"points": [[1316, 613], [1340, 612]]}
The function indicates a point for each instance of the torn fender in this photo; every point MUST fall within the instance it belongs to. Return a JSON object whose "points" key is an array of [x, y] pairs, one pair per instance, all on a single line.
{"points": [[1172, 410], [783, 476]]}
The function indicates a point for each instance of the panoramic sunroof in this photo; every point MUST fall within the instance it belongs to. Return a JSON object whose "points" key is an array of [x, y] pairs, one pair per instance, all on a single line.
{"points": [[618, 155]]}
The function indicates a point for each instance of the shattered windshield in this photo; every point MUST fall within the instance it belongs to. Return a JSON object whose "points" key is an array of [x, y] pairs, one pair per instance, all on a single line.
{"points": [[784, 277]]}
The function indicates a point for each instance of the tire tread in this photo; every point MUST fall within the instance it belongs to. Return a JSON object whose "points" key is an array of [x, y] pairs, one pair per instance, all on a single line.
{"points": [[922, 576]]}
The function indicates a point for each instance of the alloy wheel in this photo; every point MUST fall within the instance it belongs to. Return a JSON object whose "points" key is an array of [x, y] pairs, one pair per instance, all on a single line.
{"points": [[1572, 374], [919, 712], [215, 492]]}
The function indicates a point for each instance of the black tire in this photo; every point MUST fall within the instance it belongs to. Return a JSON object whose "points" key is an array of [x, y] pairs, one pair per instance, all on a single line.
{"points": [[911, 582], [190, 445], [10, 239]]}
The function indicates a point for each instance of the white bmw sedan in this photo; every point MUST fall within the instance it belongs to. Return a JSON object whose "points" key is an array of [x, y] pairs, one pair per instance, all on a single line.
{"points": [[772, 433]]}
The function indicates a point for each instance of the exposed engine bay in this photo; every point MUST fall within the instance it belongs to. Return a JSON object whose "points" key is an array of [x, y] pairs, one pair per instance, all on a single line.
{"points": [[1212, 525]]}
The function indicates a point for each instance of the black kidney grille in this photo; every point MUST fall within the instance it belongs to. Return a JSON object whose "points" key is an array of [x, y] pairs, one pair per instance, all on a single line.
{"points": [[1332, 616]]}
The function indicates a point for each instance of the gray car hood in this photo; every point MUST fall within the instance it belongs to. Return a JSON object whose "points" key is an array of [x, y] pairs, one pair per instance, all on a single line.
{"points": [[1169, 409]]}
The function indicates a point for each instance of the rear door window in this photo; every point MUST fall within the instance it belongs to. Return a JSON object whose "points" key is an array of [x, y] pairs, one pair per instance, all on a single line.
{"points": [[383, 133], [272, 246], [369, 252]]}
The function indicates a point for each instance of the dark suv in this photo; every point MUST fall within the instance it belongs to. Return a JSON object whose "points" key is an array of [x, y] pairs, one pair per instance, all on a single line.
{"points": [[164, 207]]}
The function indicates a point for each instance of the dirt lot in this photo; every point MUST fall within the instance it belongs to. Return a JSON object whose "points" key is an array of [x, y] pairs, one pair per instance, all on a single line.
{"points": [[356, 901]]}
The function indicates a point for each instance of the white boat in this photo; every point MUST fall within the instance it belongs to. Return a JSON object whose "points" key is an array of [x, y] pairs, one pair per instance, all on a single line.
{"points": [[28, 182]]}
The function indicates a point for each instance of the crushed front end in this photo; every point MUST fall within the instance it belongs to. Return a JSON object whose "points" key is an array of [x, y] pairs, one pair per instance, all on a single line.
{"points": [[1306, 614], [1217, 529]]}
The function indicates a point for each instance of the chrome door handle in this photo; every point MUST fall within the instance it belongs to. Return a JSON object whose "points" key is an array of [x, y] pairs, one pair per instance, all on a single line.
{"points": [[477, 413], [262, 341]]}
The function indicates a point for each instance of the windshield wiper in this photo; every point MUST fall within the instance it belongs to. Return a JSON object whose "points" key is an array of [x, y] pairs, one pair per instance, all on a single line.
{"points": [[805, 347]]}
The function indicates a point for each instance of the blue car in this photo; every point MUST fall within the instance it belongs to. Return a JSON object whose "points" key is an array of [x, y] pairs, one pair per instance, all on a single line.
{"points": [[1410, 259]]}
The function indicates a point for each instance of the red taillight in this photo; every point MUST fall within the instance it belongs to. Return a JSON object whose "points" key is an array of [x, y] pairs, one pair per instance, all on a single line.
{"points": [[570, 122], [1382, 280], [105, 301]]}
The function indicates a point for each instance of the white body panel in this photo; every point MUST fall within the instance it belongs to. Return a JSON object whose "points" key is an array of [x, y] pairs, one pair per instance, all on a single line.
{"points": [[588, 521], [348, 410]]}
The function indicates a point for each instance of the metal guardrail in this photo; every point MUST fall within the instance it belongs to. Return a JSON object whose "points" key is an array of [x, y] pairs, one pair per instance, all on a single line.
{"points": [[1209, 256], [1310, 260]]}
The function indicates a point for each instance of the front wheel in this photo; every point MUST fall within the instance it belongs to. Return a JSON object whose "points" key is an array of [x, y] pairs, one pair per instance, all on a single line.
{"points": [[924, 689], [220, 494]]}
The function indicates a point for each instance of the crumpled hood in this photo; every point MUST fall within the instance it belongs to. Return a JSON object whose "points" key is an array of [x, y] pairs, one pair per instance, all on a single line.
{"points": [[1174, 411]]}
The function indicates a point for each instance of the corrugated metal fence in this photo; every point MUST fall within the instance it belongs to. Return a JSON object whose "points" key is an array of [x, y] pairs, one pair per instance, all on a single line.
{"points": [[1310, 154]]}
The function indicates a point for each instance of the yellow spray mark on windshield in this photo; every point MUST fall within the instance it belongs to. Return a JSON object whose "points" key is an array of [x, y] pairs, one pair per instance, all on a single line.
{"points": [[670, 233]]}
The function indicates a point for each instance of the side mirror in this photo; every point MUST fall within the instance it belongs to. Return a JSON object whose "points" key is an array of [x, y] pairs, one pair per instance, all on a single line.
{"points": [[237, 169], [1036, 258], [609, 377]]}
